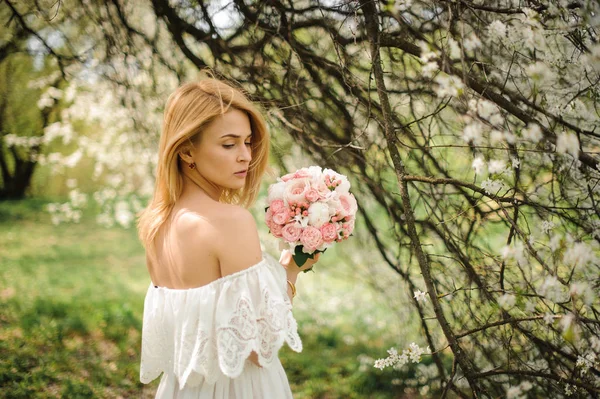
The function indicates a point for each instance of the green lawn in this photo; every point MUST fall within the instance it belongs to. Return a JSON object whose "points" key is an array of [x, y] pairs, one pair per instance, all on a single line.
{"points": [[71, 303]]}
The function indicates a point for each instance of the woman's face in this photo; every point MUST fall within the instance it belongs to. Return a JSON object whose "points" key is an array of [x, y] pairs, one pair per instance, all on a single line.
{"points": [[224, 149]]}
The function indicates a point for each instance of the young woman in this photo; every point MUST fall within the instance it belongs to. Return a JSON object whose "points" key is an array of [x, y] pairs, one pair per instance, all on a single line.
{"points": [[218, 309]]}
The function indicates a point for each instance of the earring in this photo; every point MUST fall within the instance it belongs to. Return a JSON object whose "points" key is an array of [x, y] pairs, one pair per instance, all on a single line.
{"points": [[192, 165]]}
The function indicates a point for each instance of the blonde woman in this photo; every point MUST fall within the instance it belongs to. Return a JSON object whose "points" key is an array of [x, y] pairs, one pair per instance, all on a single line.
{"points": [[218, 309]]}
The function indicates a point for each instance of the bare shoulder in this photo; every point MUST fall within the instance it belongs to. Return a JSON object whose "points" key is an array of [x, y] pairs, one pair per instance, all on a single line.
{"points": [[238, 245], [194, 231]]}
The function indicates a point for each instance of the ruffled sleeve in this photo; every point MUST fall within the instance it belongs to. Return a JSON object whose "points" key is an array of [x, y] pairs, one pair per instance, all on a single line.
{"points": [[200, 333]]}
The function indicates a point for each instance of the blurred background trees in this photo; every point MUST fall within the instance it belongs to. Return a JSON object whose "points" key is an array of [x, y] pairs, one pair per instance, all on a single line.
{"points": [[467, 128]]}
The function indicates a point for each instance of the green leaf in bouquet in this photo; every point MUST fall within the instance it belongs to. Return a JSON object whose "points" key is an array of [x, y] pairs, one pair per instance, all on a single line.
{"points": [[301, 257]]}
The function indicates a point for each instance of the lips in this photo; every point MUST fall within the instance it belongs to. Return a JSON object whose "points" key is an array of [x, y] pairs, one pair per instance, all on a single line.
{"points": [[241, 171]]}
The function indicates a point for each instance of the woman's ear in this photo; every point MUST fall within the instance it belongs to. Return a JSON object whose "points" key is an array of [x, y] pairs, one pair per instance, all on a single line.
{"points": [[186, 153]]}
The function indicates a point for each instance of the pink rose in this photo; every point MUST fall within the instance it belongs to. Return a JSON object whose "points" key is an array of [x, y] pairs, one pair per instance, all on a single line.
{"points": [[350, 227], [329, 231], [323, 190], [295, 191], [276, 230], [269, 216], [347, 228], [291, 232], [277, 206], [348, 203], [302, 173], [282, 216], [312, 195], [311, 238], [287, 177]]}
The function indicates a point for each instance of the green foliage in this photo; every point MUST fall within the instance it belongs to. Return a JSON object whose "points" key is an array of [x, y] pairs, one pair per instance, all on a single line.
{"points": [[72, 304]]}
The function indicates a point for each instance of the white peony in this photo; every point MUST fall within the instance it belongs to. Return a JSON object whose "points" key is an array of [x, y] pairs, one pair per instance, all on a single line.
{"points": [[276, 191], [318, 214], [334, 204], [344, 187], [315, 173]]}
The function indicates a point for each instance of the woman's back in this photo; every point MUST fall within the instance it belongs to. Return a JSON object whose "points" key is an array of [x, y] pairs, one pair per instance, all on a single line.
{"points": [[203, 241], [186, 245]]}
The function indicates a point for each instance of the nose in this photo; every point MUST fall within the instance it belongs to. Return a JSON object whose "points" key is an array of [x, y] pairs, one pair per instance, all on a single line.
{"points": [[246, 154]]}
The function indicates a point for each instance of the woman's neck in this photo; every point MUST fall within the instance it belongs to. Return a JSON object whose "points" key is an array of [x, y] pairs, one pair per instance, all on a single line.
{"points": [[194, 184]]}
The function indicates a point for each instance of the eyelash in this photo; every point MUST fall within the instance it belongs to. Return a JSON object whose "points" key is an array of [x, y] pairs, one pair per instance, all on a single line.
{"points": [[228, 146]]}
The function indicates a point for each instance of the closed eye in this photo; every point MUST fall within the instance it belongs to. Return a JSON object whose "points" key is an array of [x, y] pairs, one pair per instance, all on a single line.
{"points": [[231, 145]]}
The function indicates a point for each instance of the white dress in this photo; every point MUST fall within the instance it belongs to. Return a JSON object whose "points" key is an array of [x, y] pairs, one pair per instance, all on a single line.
{"points": [[200, 338]]}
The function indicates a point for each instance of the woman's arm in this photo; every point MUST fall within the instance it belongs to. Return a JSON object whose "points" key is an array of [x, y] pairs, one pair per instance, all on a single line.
{"points": [[292, 269], [292, 276]]}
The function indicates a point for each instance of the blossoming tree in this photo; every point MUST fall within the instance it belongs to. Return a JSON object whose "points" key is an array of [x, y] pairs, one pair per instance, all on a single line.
{"points": [[470, 132]]}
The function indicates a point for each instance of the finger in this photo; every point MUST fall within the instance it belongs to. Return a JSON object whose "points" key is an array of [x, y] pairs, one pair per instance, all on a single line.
{"points": [[286, 257]]}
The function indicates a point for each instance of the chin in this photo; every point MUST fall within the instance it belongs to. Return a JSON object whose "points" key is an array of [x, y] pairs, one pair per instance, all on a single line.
{"points": [[235, 186]]}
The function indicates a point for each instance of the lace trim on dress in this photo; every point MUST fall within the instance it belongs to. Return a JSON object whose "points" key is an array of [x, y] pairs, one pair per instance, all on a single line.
{"points": [[204, 332]]}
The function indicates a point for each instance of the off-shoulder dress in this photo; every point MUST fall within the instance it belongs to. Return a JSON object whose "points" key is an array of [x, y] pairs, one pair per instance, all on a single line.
{"points": [[200, 338]]}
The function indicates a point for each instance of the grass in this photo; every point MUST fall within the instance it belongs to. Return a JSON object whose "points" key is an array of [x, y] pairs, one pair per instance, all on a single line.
{"points": [[71, 303]]}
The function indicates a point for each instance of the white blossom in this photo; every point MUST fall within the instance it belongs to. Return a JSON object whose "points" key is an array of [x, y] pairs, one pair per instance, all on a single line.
{"points": [[496, 166], [567, 320], [402, 5], [478, 164], [578, 254], [472, 42], [448, 85], [518, 391], [583, 290], [429, 69], [413, 353], [533, 133], [45, 102], [472, 133], [548, 318], [541, 73], [54, 93], [552, 289], [507, 300], [420, 296], [123, 215], [492, 187], [515, 251], [496, 136], [547, 225], [530, 307], [454, 49], [569, 389], [497, 30], [567, 143]]}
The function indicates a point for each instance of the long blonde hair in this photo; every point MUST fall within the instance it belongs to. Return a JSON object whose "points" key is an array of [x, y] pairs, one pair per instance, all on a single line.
{"points": [[188, 110]]}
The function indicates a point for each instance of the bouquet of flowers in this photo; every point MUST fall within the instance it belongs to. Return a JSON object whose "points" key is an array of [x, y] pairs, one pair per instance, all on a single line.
{"points": [[309, 210]]}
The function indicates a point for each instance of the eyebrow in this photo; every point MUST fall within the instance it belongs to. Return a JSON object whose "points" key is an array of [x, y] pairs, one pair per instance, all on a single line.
{"points": [[234, 135]]}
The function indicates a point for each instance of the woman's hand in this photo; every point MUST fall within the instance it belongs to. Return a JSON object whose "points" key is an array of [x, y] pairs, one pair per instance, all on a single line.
{"points": [[287, 260], [254, 358]]}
